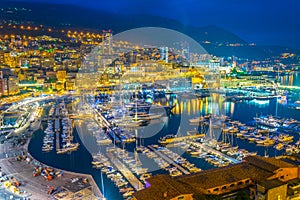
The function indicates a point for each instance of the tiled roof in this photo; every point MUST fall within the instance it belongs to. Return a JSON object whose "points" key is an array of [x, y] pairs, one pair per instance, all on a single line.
{"points": [[269, 184], [269, 164], [163, 187], [226, 175], [256, 168]]}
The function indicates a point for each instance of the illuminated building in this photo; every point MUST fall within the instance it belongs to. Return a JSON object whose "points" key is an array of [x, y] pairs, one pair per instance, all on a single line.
{"points": [[47, 62], [164, 54], [2, 85], [1, 56], [40, 80], [10, 59], [61, 76], [13, 85], [51, 75], [70, 84], [106, 42], [59, 86]]}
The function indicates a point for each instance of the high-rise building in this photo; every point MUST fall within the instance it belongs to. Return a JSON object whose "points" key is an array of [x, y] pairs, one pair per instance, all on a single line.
{"points": [[107, 42], [164, 51], [13, 85], [2, 86]]}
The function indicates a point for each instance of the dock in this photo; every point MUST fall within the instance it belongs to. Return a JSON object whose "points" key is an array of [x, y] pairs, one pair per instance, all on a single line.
{"points": [[169, 160], [209, 149], [57, 130], [136, 184]]}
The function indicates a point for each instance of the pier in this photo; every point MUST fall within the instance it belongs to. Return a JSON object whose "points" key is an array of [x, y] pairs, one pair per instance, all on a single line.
{"points": [[57, 130], [209, 149], [293, 87], [169, 160], [126, 172]]}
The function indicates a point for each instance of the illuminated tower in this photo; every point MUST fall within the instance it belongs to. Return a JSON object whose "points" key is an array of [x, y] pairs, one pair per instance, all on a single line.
{"points": [[106, 42], [164, 54], [185, 50]]}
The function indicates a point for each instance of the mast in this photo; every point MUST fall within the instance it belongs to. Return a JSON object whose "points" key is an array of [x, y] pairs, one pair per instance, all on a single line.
{"points": [[102, 183], [210, 129]]}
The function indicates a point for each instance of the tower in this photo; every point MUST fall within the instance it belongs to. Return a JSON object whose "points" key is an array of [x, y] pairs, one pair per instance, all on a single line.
{"points": [[185, 50], [106, 42], [164, 54]]}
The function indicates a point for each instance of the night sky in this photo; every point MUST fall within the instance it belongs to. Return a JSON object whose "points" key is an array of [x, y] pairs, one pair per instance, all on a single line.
{"points": [[270, 22]]}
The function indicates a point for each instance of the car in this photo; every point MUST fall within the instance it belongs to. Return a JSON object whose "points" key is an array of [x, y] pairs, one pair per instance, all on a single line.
{"points": [[3, 178]]}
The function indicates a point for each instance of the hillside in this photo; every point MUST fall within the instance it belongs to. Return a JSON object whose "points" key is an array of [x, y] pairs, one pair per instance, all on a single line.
{"points": [[217, 39]]}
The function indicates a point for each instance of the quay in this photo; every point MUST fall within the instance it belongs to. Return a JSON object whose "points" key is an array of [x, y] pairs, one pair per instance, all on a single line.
{"points": [[57, 127], [169, 160], [209, 149], [126, 172], [37, 187]]}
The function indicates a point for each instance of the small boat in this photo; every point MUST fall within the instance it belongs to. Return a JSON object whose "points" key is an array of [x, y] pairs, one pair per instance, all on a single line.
{"points": [[145, 176], [279, 146]]}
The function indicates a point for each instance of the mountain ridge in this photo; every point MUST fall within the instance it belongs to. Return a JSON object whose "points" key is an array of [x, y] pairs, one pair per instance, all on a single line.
{"points": [[214, 39]]}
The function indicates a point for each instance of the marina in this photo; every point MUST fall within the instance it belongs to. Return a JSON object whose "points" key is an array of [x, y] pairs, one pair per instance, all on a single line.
{"points": [[190, 153], [134, 174]]}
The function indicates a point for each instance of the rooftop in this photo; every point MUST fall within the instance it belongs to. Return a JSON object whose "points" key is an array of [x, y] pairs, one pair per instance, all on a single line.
{"points": [[269, 184], [164, 187], [225, 175], [268, 164], [256, 168]]}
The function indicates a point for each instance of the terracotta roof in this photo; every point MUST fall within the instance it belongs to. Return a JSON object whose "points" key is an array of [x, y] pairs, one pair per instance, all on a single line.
{"points": [[269, 164], [163, 187], [269, 184], [226, 175], [256, 168]]}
